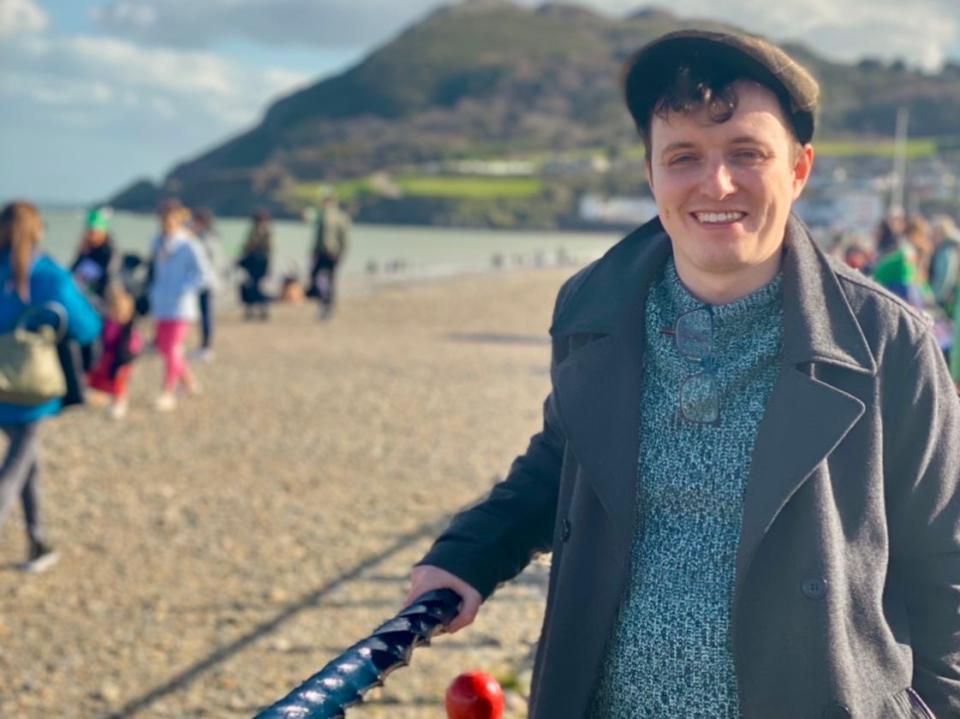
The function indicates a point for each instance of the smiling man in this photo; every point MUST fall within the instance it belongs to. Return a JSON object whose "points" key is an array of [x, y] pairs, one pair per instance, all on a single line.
{"points": [[749, 468]]}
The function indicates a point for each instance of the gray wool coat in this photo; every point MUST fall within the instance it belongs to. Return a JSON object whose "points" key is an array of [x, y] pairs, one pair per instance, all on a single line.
{"points": [[847, 589]]}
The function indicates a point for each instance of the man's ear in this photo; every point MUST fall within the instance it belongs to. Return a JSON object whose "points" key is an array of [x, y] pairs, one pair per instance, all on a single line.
{"points": [[802, 169], [649, 170]]}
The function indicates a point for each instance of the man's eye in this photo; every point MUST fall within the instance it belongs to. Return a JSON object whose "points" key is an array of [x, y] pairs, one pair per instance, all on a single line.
{"points": [[748, 155], [682, 159]]}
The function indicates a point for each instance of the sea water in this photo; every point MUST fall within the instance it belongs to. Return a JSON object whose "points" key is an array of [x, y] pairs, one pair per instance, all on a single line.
{"points": [[373, 251]]}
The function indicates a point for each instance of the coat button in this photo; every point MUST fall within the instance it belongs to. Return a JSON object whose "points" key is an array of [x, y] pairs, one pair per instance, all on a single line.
{"points": [[814, 588], [565, 530], [837, 711]]}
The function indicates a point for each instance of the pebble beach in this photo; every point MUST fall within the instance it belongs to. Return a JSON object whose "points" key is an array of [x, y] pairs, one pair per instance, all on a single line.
{"points": [[215, 556]]}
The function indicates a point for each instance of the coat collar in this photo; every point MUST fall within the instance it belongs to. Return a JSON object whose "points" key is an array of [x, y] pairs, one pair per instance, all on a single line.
{"points": [[819, 324]]}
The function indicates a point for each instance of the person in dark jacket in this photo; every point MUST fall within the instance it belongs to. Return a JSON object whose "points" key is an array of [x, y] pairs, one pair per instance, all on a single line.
{"points": [[30, 279], [749, 467], [209, 240], [95, 264], [330, 244], [255, 262]]}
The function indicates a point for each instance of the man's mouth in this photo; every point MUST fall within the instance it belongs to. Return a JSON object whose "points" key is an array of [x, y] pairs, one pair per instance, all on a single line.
{"points": [[718, 218]]}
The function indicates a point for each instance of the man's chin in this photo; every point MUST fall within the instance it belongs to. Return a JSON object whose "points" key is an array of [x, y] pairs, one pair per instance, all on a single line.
{"points": [[722, 263]]}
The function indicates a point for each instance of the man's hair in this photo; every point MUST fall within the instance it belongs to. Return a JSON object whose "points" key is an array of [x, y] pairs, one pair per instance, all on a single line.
{"points": [[700, 86]]}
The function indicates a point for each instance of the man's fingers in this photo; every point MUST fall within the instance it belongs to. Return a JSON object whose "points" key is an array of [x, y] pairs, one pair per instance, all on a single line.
{"points": [[465, 618], [468, 610], [425, 578]]}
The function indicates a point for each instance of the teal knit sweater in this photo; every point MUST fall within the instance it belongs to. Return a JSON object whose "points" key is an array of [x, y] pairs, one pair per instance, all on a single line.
{"points": [[670, 651]]}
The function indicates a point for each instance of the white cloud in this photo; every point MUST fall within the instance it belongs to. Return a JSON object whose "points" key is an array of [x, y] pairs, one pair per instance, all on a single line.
{"points": [[102, 76], [126, 13], [80, 116], [842, 29], [847, 29], [21, 16], [328, 23]]}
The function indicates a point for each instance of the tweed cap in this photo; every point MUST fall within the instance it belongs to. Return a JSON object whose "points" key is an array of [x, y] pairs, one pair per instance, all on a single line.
{"points": [[649, 72]]}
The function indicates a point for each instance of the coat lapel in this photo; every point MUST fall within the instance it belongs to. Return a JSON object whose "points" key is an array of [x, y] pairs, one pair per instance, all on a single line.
{"points": [[600, 407], [597, 387], [805, 418]]}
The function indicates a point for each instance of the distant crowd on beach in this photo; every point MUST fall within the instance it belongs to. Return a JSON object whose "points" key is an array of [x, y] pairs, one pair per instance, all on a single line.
{"points": [[919, 261], [178, 282], [71, 335]]}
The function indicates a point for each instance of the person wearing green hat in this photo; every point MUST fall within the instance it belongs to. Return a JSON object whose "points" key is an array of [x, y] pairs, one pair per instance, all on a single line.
{"points": [[98, 219], [95, 264]]}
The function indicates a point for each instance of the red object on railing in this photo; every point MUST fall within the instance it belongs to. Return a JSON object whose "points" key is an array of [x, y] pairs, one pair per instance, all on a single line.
{"points": [[474, 695]]}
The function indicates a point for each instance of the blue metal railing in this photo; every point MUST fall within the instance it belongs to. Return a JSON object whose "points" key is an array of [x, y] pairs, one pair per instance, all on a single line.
{"points": [[343, 682]]}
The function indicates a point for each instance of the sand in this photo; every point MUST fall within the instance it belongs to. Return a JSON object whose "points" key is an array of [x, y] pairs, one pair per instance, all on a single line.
{"points": [[216, 556]]}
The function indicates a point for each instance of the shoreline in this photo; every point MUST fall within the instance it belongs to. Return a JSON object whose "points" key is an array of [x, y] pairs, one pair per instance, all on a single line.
{"points": [[372, 250], [356, 284], [79, 209]]}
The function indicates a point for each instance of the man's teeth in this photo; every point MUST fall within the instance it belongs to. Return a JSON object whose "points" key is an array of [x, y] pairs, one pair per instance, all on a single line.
{"points": [[719, 217]]}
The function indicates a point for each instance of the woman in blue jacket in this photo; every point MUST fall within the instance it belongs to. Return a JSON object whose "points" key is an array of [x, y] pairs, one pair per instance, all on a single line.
{"points": [[31, 279]]}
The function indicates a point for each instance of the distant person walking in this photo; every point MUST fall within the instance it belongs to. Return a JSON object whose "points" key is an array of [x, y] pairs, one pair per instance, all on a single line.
{"points": [[30, 279], [208, 239], [907, 273], [945, 263], [180, 270], [887, 239], [97, 257], [955, 351], [255, 261], [333, 229], [902, 267], [121, 343]]}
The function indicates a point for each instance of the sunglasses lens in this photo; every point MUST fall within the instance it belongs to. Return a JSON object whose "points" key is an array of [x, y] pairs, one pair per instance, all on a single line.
{"points": [[695, 334]]}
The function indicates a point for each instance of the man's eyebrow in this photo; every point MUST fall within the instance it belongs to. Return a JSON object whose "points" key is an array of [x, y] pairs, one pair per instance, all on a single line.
{"points": [[747, 140], [686, 145], [677, 146]]}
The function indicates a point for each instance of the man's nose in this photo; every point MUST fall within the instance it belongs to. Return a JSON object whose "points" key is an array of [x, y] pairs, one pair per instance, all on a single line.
{"points": [[718, 181]]}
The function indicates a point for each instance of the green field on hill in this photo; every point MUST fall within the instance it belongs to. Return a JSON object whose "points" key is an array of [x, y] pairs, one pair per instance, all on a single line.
{"points": [[916, 149], [470, 187]]}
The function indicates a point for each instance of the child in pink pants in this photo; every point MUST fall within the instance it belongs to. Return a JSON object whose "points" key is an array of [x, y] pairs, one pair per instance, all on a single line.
{"points": [[170, 341], [179, 271]]}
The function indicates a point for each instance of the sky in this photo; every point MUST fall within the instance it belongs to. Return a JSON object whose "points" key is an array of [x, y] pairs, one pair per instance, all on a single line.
{"points": [[97, 93]]}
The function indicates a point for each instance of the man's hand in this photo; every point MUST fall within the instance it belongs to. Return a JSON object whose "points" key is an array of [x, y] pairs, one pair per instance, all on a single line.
{"points": [[426, 578]]}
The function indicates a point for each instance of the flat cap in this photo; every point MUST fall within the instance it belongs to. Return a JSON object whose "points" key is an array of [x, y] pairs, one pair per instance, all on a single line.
{"points": [[649, 72]]}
